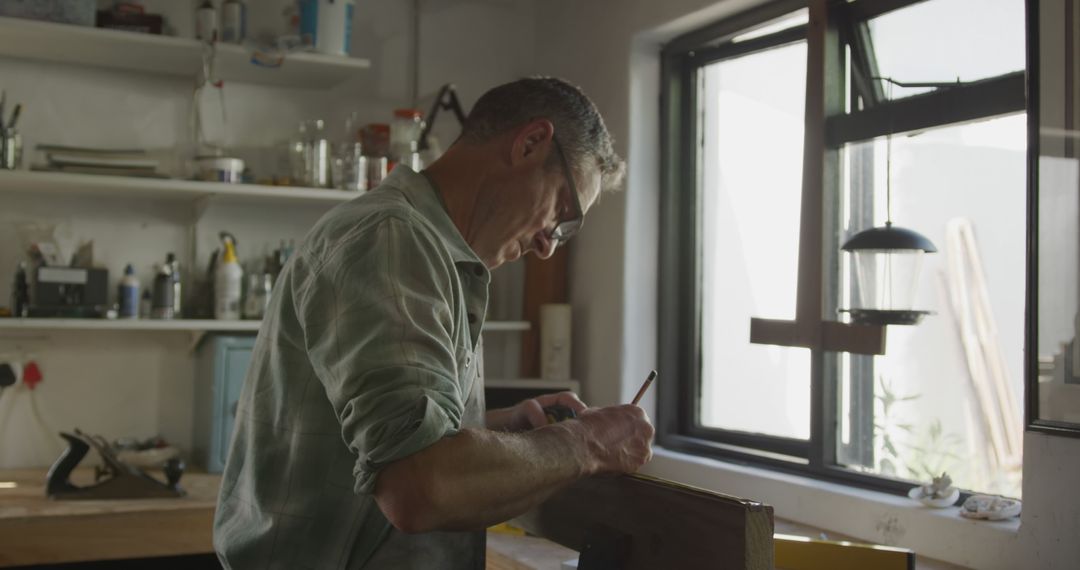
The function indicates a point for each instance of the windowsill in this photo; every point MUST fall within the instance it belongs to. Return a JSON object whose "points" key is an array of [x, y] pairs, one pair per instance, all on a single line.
{"points": [[868, 515]]}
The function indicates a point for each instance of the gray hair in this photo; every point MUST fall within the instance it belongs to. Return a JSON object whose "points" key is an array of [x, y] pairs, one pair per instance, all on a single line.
{"points": [[578, 124]]}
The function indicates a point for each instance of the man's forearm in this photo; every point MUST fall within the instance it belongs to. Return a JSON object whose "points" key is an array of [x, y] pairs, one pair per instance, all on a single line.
{"points": [[481, 477]]}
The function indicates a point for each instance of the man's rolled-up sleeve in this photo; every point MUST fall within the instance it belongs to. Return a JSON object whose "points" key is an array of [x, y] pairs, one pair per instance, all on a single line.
{"points": [[378, 324]]}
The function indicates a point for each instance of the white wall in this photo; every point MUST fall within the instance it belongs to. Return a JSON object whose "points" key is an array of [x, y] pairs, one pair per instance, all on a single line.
{"points": [[139, 385], [610, 48]]}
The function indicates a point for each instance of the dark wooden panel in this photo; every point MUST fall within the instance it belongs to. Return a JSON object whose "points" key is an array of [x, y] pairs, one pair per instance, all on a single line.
{"points": [[545, 282], [667, 525]]}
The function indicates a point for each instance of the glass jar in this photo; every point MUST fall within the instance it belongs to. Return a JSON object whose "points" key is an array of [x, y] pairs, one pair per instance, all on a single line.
{"points": [[350, 167], [257, 299], [405, 137]]}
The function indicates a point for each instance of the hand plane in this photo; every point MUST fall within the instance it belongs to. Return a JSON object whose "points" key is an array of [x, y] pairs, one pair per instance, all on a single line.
{"points": [[115, 480]]}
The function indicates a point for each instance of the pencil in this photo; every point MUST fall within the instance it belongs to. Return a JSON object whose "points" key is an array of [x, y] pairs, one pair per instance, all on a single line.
{"points": [[644, 386]]}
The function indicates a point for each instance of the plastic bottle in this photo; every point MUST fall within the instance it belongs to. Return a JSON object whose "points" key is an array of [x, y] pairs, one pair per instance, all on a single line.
{"points": [[174, 268], [161, 302], [206, 22], [129, 294], [233, 21], [228, 283], [20, 294]]}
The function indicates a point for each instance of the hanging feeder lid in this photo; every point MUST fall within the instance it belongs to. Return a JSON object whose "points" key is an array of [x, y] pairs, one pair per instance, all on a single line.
{"points": [[889, 237]]}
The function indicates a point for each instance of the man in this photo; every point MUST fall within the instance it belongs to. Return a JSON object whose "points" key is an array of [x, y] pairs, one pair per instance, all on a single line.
{"points": [[361, 439]]}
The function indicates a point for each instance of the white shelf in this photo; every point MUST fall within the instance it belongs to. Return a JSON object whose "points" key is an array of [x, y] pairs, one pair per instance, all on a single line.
{"points": [[178, 325], [148, 53], [533, 384], [507, 326], [185, 325], [159, 188]]}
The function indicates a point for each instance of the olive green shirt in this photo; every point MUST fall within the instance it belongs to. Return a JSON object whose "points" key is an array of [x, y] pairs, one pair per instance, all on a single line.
{"points": [[369, 352]]}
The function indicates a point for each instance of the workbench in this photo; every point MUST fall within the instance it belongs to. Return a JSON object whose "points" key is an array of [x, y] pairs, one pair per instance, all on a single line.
{"points": [[37, 530]]}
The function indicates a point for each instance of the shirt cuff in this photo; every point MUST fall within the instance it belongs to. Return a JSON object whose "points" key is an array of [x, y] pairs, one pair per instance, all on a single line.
{"points": [[425, 426]]}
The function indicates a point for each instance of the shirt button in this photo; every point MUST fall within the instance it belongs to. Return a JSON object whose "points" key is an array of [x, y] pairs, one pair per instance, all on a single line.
{"points": [[468, 360], [472, 318], [478, 271]]}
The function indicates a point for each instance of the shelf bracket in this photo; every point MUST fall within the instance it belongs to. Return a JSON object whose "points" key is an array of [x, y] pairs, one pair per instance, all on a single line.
{"points": [[196, 338], [200, 205]]}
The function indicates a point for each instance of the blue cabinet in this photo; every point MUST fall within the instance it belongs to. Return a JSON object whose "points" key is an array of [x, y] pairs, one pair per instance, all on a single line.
{"points": [[222, 364]]}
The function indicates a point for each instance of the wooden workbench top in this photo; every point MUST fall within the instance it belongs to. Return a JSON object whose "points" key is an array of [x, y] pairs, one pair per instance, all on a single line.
{"points": [[35, 529], [38, 530]]}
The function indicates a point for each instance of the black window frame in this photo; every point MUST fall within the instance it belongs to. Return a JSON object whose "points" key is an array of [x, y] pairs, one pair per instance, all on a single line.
{"points": [[680, 294]]}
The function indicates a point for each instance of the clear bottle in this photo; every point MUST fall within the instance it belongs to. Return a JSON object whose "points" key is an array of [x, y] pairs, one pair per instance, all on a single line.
{"points": [[317, 156], [144, 304], [258, 295]]}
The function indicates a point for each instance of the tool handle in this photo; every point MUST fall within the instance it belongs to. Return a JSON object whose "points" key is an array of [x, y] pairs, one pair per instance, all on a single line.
{"points": [[56, 482], [557, 413]]}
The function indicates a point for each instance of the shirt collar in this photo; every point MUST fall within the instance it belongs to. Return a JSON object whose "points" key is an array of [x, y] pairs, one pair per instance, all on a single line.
{"points": [[423, 196]]}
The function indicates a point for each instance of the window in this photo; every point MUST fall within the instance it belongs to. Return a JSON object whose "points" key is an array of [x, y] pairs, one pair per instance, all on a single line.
{"points": [[750, 210], [924, 123]]}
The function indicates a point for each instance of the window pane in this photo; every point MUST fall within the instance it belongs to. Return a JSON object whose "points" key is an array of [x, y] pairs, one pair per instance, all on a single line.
{"points": [[751, 186], [947, 395], [946, 40]]}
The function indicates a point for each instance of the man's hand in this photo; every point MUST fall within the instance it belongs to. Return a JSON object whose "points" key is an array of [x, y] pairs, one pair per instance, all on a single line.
{"points": [[478, 477], [619, 438], [529, 414]]}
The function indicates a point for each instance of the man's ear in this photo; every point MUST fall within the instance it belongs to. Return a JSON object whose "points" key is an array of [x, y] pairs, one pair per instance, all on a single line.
{"points": [[532, 141]]}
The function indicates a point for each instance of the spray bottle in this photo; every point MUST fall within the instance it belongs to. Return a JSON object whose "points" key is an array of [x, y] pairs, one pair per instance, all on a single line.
{"points": [[228, 282], [129, 294]]}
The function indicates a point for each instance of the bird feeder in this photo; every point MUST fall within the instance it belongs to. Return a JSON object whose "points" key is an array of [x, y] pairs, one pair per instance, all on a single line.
{"points": [[887, 262]]}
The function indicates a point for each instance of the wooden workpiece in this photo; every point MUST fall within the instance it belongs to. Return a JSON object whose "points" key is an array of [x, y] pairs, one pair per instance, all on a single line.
{"points": [[37, 530], [653, 523]]}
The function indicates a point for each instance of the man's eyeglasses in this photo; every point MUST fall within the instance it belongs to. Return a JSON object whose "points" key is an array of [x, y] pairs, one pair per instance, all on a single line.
{"points": [[567, 228]]}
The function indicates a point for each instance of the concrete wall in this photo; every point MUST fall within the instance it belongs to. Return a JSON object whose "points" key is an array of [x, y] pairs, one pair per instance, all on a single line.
{"points": [[610, 48]]}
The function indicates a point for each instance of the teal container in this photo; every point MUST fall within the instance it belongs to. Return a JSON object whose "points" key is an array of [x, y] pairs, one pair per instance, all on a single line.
{"points": [[222, 365]]}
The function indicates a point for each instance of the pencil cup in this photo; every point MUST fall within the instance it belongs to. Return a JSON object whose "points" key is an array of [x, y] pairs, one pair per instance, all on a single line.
{"points": [[555, 341], [10, 150]]}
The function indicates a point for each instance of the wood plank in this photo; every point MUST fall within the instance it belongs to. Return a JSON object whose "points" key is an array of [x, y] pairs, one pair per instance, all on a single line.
{"points": [[53, 540], [37, 530], [668, 525], [824, 335]]}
